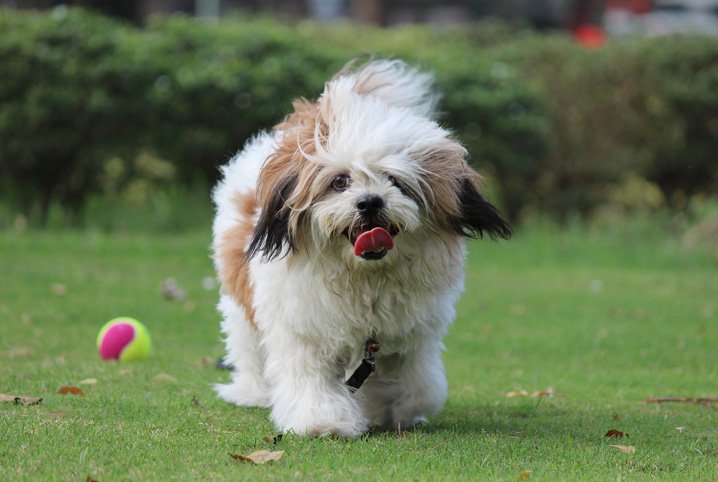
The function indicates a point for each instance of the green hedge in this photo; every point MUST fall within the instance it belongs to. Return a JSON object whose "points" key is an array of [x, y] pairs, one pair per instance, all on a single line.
{"points": [[83, 98], [644, 108], [91, 108]]}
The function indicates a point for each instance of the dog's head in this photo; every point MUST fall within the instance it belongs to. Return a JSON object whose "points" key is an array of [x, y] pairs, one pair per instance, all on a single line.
{"points": [[364, 164]]}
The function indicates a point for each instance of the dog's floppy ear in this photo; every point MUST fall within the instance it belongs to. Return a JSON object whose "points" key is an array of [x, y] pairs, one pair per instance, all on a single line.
{"points": [[283, 189], [272, 233], [478, 216], [453, 187]]}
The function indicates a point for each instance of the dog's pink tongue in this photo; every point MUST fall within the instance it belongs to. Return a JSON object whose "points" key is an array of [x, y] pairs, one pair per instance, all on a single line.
{"points": [[374, 240]]}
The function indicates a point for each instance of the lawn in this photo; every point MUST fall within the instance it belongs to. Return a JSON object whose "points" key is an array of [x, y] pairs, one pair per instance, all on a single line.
{"points": [[598, 320]]}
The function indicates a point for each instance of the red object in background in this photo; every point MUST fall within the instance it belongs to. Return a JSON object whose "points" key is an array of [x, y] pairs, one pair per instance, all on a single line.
{"points": [[590, 36]]}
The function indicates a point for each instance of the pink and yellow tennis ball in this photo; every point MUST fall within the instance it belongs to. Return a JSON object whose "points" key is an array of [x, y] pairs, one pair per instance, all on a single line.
{"points": [[124, 339]]}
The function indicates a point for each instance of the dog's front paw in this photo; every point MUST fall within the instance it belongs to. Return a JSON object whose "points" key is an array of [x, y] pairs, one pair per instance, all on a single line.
{"points": [[341, 420], [320, 428], [341, 429]]}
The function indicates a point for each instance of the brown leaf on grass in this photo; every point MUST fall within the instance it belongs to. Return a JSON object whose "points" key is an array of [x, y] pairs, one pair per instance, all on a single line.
{"points": [[525, 475], [615, 417], [549, 392], [71, 391], [517, 393], [259, 457], [626, 449], [89, 478], [19, 400], [616, 434], [704, 400]]}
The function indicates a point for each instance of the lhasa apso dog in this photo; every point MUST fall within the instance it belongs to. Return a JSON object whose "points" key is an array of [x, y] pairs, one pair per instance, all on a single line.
{"points": [[340, 242]]}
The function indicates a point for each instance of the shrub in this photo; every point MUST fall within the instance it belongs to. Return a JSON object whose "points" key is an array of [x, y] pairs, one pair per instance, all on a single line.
{"points": [[63, 100], [82, 91], [685, 74], [91, 108], [642, 107]]}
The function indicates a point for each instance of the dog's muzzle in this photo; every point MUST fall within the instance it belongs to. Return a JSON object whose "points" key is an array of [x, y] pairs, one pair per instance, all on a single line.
{"points": [[372, 236]]}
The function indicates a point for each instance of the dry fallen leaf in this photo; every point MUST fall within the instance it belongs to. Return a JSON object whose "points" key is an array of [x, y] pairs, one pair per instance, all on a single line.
{"points": [[517, 393], [164, 378], [615, 417], [88, 381], [626, 449], [525, 475], [58, 289], [19, 400], [259, 457], [616, 433], [549, 392], [71, 390]]}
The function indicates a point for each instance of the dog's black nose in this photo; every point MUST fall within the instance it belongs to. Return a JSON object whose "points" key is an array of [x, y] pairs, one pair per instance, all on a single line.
{"points": [[369, 204]]}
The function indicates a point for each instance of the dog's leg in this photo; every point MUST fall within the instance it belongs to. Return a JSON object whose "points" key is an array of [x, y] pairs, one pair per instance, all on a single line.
{"points": [[406, 388], [308, 394], [246, 355]]}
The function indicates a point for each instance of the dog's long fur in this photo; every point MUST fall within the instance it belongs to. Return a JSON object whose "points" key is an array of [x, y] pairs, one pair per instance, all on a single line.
{"points": [[298, 305]]}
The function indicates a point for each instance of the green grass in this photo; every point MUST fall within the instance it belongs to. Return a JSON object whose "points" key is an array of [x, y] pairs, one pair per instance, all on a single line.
{"points": [[605, 319]]}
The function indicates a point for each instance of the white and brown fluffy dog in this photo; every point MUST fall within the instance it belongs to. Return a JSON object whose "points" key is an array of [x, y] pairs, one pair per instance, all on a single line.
{"points": [[346, 223]]}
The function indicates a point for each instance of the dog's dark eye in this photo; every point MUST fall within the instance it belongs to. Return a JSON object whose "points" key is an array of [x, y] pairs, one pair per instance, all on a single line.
{"points": [[394, 182], [340, 183]]}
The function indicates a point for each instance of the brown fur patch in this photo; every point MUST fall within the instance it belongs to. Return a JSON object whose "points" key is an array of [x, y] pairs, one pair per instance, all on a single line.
{"points": [[447, 169], [302, 130], [231, 250]]}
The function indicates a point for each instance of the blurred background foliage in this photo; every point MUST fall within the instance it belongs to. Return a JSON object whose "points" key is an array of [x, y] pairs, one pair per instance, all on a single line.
{"points": [[109, 125]]}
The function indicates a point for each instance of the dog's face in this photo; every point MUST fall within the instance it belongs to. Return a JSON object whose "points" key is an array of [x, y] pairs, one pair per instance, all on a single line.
{"points": [[353, 174], [358, 199]]}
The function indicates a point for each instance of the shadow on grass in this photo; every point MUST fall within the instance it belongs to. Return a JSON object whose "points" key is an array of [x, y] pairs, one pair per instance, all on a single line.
{"points": [[526, 418]]}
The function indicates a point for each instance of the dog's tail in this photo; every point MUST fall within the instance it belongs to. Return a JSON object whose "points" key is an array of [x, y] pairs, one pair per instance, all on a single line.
{"points": [[395, 83]]}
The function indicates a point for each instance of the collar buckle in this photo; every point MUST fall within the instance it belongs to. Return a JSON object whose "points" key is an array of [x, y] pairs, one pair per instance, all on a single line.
{"points": [[367, 366]]}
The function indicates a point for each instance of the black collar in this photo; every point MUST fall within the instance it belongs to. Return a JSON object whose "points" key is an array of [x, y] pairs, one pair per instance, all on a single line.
{"points": [[367, 366]]}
